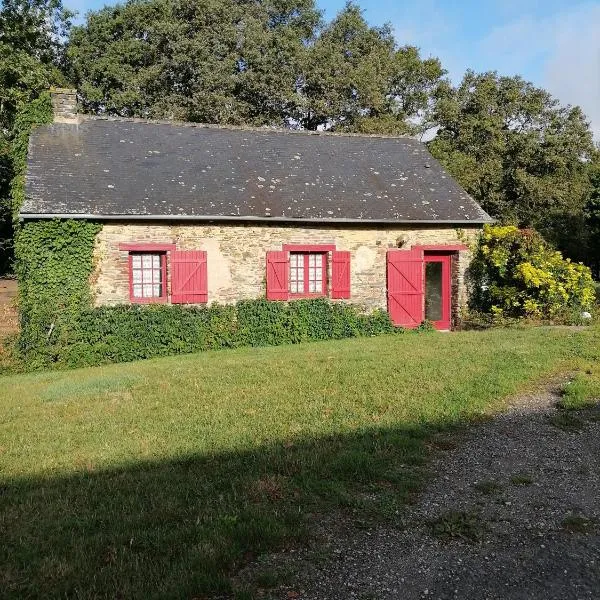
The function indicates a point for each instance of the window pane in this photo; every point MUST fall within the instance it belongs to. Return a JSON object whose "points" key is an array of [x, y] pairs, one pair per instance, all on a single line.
{"points": [[318, 287], [156, 291], [156, 278], [433, 291], [137, 276], [136, 261], [156, 261], [137, 291], [147, 261], [147, 291]]}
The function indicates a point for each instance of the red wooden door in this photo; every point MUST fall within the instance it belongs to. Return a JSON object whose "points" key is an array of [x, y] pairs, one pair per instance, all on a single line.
{"points": [[405, 287], [438, 289]]}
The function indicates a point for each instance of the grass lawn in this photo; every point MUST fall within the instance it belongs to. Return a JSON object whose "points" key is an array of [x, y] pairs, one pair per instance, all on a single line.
{"points": [[157, 479]]}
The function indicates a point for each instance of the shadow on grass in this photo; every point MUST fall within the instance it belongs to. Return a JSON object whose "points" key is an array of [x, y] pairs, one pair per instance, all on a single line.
{"points": [[178, 529]]}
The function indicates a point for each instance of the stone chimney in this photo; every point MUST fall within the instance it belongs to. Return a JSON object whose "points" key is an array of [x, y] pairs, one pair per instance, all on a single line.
{"points": [[64, 103]]}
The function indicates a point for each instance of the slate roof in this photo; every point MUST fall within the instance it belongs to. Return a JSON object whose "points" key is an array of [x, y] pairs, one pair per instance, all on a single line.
{"points": [[123, 168]]}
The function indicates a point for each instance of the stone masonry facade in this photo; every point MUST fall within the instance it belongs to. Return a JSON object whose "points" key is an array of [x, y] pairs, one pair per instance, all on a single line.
{"points": [[236, 255]]}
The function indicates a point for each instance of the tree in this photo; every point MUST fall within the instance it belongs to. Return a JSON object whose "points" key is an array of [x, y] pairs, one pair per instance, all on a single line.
{"points": [[217, 61], [355, 78], [520, 153], [239, 62], [32, 36], [590, 227]]}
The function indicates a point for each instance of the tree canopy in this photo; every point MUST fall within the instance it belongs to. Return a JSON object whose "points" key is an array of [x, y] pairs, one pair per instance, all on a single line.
{"points": [[268, 62], [524, 157]]}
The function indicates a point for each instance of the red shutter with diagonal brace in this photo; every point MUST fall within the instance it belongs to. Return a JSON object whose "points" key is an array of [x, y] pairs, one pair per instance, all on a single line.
{"points": [[189, 281], [405, 273], [340, 274], [278, 275]]}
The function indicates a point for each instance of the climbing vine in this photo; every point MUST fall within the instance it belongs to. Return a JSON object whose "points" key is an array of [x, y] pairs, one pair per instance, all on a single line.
{"points": [[34, 113], [53, 259], [54, 263]]}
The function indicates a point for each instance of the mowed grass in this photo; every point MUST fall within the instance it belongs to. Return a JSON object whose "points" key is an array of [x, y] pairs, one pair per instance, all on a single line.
{"points": [[158, 479]]}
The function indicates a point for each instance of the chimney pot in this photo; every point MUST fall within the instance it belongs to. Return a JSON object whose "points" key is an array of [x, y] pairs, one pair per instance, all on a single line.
{"points": [[64, 105]]}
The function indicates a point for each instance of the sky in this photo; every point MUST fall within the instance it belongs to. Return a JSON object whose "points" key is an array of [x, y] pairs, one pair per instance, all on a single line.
{"points": [[553, 43]]}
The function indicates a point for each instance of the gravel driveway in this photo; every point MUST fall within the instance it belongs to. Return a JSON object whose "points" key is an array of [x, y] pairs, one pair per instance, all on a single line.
{"points": [[512, 512]]}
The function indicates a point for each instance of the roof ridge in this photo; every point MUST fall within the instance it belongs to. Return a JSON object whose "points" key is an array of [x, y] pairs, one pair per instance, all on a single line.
{"points": [[262, 128]]}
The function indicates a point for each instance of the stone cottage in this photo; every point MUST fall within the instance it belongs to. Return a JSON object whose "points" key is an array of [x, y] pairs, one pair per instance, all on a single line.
{"points": [[199, 214]]}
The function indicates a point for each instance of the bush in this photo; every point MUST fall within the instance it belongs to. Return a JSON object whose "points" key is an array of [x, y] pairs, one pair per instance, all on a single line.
{"points": [[516, 274], [126, 333]]}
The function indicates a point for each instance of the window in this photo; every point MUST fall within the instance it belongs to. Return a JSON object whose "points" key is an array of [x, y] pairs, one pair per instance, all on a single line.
{"points": [[148, 276], [308, 273]]}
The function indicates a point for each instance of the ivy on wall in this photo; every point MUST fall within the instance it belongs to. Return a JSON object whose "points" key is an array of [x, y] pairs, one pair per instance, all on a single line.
{"points": [[54, 263], [34, 113], [53, 259]]}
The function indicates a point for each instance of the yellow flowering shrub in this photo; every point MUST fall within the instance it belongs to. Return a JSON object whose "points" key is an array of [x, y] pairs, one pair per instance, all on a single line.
{"points": [[515, 273]]}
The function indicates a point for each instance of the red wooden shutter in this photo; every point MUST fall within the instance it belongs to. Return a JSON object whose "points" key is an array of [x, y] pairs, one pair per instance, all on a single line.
{"points": [[278, 275], [405, 273], [189, 282], [340, 274]]}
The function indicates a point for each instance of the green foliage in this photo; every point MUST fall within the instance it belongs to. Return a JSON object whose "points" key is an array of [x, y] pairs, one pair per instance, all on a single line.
{"points": [[269, 62], [516, 150], [32, 36], [126, 333], [13, 160], [54, 263], [216, 61], [587, 235], [515, 273], [36, 112]]}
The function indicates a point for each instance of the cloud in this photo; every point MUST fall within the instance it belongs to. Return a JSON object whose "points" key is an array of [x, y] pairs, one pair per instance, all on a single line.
{"points": [[560, 52]]}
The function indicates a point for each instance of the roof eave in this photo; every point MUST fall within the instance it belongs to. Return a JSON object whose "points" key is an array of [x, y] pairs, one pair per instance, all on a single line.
{"points": [[265, 219]]}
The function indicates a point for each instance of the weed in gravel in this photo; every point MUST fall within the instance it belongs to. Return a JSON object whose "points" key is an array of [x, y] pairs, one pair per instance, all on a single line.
{"points": [[567, 421], [487, 487], [521, 479], [458, 525], [577, 524]]}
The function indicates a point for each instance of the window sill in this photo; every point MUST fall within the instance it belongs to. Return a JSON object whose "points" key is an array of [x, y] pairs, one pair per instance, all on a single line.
{"points": [[148, 300], [307, 296]]}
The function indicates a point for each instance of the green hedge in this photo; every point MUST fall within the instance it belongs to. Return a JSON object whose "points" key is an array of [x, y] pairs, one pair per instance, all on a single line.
{"points": [[126, 333]]}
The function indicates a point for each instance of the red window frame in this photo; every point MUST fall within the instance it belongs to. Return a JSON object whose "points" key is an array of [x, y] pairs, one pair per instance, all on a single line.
{"points": [[306, 272], [163, 268]]}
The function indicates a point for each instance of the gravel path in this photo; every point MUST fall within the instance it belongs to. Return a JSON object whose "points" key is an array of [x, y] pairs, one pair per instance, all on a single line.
{"points": [[513, 512]]}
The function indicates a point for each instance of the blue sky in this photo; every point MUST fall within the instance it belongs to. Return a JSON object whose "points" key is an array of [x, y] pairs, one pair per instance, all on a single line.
{"points": [[554, 43]]}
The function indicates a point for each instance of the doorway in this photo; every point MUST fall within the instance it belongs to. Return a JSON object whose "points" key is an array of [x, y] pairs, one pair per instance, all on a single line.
{"points": [[438, 289]]}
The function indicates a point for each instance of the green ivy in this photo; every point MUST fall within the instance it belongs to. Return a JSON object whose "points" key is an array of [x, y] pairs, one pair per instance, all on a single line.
{"points": [[54, 264], [34, 113]]}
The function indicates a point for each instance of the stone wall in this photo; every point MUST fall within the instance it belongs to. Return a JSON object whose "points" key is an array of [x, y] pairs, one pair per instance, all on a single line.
{"points": [[237, 255]]}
